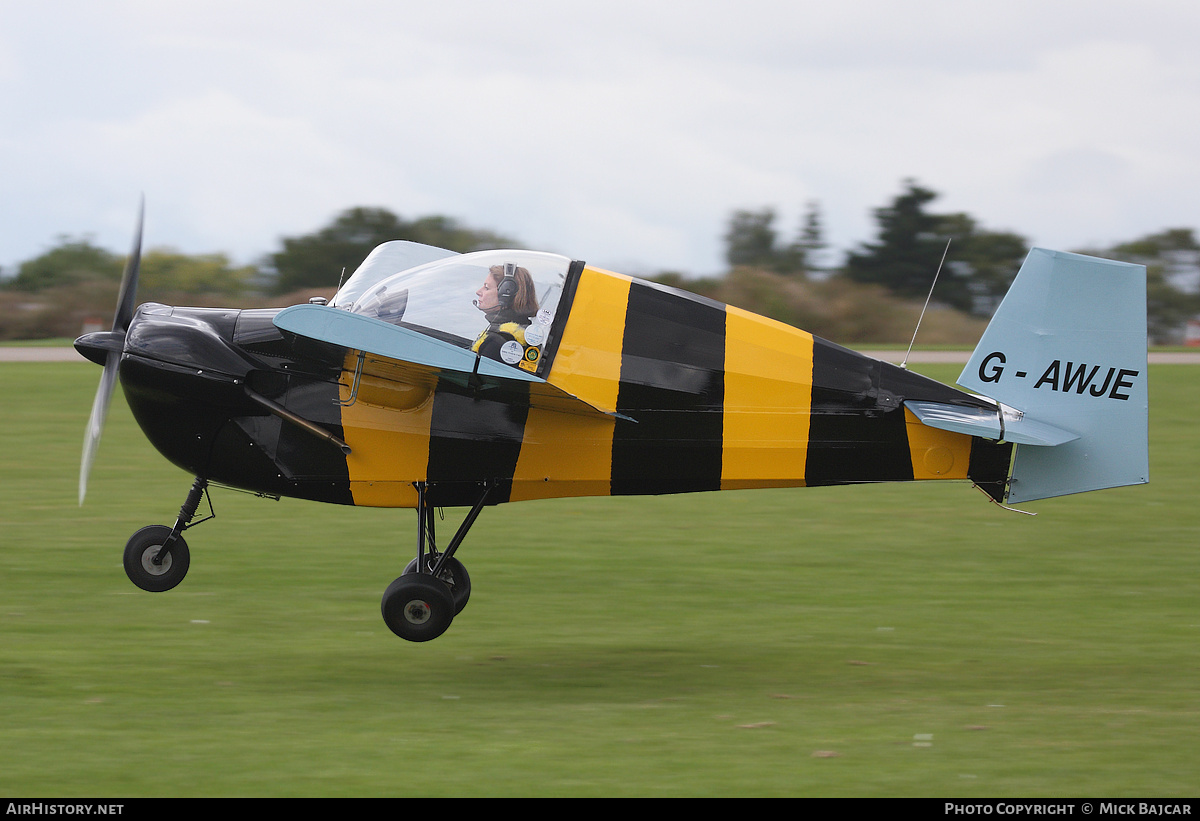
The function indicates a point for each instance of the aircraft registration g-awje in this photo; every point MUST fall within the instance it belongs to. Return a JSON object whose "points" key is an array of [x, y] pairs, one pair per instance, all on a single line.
{"points": [[436, 379]]}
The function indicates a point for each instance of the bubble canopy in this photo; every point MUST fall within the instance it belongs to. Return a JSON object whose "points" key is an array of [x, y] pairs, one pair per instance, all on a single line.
{"points": [[399, 284]]}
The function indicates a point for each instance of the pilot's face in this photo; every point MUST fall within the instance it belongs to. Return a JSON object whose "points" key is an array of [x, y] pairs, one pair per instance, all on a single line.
{"points": [[486, 298]]}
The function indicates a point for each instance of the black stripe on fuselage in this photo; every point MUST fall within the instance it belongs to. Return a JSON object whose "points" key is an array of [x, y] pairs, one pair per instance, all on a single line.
{"points": [[672, 384], [474, 438], [859, 432], [853, 435], [989, 466], [321, 464]]}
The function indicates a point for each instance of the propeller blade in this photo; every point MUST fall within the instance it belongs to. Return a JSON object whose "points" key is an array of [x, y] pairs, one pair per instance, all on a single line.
{"points": [[127, 298], [126, 301], [95, 426]]}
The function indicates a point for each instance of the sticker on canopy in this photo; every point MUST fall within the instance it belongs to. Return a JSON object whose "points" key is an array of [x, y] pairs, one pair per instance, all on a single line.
{"points": [[534, 335], [512, 351], [545, 316]]}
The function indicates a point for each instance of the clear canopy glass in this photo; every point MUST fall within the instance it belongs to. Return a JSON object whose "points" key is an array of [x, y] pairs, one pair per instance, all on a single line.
{"points": [[400, 284]]}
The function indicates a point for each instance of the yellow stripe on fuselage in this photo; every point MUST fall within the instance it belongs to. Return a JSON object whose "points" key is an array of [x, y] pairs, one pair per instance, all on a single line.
{"points": [[569, 454], [387, 429], [936, 454], [768, 399]]}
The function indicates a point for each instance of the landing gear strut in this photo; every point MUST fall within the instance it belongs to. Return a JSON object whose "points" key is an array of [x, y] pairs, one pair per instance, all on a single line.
{"points": [[157, 557], [435, 587]]}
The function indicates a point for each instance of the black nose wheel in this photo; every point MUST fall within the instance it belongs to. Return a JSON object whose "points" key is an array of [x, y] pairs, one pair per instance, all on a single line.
{"points": [[157, 557], [417, 607], [151, 567]]}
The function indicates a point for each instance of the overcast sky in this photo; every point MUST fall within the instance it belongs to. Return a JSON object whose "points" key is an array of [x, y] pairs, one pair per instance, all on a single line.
{"points": [[622, 133]]}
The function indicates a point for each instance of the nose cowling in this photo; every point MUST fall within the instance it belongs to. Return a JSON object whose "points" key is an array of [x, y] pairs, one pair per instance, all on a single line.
{"points": [[191, 339], [184, 379], [198, 339], [184, 357]]}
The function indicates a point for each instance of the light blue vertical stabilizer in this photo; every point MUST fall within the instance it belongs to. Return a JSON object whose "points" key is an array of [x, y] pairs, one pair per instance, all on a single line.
{"points": [[1067, 348]]}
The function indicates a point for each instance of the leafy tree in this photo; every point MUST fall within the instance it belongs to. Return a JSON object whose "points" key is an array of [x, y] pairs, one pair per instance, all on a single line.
{"points": [[909, 247], [70, 262], [318, 260], [449, 233], [751, 241], [810, 241], [980, 264], [912, 242], [165, 272], [1172, 260]]}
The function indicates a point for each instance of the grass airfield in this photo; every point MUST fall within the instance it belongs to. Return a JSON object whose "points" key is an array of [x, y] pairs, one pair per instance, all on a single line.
{"points": [[899, 640]]}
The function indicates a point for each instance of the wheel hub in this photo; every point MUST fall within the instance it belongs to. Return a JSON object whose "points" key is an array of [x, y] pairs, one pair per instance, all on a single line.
{"points": [[417, 612], [149, 565]]}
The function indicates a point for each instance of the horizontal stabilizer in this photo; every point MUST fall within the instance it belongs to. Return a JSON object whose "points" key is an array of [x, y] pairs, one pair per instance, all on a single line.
{"points": [[1000, 424]]}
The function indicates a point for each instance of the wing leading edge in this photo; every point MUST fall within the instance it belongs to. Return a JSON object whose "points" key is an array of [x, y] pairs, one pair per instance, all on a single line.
{"points": [[411, 354]]}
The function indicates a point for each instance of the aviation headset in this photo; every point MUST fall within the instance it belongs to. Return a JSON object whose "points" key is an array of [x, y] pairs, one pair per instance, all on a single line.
{"points": [[506, 291]]}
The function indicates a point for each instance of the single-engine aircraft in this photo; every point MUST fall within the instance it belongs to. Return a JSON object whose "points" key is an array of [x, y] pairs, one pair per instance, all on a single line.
{"points": [[436, 379]]}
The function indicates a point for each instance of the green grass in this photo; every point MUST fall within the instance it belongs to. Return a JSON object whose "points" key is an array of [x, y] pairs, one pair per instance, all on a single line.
{"points": [[872, 641]]}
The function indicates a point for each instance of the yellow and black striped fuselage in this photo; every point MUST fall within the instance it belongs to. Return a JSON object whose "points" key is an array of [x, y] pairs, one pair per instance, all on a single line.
{"points": [[702, 396], [648, 390]]}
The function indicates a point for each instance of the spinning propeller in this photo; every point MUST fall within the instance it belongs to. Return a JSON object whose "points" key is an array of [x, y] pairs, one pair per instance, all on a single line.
{"points": [[105, 347]]}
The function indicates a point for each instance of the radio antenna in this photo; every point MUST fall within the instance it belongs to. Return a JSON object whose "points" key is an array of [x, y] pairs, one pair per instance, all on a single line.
{"points": [[904, 364]]}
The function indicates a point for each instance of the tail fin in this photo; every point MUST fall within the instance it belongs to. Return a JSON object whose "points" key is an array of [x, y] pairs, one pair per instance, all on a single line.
{"points": [[1067, 348]]}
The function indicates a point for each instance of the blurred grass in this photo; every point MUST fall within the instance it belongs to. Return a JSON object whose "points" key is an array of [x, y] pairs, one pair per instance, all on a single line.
{"points": [[884, 640]]}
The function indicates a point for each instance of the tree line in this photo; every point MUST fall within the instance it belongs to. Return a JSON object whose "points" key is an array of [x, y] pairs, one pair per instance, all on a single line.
{"points": [[912, 241], [872, 296]]}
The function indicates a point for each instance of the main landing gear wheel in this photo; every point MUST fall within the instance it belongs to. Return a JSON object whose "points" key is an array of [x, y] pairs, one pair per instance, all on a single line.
{"points": [[453, 574], [417, 607], [150, 567]]}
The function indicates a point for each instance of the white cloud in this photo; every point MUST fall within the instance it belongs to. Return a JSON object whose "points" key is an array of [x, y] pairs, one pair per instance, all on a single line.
{"points": [[622, 133]]}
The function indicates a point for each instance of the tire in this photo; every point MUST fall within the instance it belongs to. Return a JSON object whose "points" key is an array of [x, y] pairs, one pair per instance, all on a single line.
{"points": [[140, 551], [454, 575], [417, 607]]}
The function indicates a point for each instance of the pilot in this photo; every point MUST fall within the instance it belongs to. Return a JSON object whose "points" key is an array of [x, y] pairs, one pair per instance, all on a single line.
{"points": [[509, 301]]}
